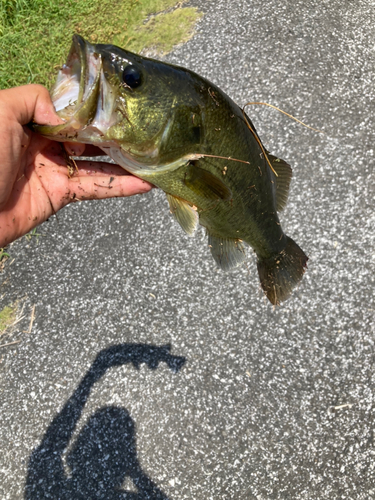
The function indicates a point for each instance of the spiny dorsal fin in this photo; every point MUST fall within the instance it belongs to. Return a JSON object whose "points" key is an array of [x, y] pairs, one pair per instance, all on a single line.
{"points": [[284, 176], [206, 184], [184, 214], [228, 253]]}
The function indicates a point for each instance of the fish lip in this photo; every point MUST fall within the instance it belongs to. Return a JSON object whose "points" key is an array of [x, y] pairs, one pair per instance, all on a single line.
{"points": [[74, 93], [79, 47], [70, 79]]}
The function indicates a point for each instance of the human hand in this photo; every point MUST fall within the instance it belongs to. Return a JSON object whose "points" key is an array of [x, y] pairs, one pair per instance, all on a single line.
{"points": [[34, 176]]}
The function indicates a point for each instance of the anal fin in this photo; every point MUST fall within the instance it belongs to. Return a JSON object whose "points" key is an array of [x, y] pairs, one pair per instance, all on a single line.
{"points": [[184, 214], [227, 252]]}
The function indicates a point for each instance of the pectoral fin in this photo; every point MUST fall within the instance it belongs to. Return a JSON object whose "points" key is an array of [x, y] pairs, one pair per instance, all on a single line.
{"points": [[184, 214], [228, 253], [206, 184]]}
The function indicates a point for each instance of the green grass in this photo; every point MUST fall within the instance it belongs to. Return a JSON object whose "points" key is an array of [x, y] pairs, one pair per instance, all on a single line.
{"points": [[33, 234], [35, 35], [162, 32], [4, 256], [7, 318]]}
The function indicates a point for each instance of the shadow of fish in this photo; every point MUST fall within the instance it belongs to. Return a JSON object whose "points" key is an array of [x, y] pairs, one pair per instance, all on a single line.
{"points": [[175, 129]]}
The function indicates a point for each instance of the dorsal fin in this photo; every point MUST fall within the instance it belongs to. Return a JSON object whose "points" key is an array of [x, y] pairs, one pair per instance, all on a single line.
{"points": [[284, 176]]}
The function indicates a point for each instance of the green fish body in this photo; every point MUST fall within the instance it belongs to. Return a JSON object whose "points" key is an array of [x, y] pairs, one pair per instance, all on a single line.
{"points": [[175, 129]]}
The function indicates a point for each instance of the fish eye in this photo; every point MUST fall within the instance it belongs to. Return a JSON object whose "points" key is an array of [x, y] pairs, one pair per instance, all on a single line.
{"points": [[132, 77]]}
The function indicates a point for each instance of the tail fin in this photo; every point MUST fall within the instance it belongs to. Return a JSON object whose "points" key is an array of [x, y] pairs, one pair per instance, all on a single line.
{"points": [[280, 273]]}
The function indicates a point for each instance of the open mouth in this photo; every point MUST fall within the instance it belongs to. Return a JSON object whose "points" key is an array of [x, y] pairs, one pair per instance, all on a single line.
{"points": [[75, 93], [82, 97]]}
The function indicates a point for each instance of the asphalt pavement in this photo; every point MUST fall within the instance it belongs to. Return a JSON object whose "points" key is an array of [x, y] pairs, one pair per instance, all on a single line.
{"points": [[148, 373]]}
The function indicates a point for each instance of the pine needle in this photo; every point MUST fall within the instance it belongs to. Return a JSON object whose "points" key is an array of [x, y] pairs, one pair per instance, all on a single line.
{"points": [[285, 113], [10, 343], [258, 141]]}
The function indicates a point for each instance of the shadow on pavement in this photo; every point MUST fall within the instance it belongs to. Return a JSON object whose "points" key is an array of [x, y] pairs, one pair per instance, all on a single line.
{"points": [[104, 454]]}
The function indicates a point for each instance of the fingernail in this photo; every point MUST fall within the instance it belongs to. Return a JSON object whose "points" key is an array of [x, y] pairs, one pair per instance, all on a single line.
{"points": [[74, 149]]}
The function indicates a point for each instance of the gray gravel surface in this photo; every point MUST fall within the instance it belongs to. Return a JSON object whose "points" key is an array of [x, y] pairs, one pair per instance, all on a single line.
{"points": [[250, 402]]}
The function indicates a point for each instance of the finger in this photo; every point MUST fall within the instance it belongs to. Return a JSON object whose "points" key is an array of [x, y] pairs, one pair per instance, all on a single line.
{"points": [[53, 152], [77, 149], [94, 151], [30, 102], [101, 187], [95, 168], [74, 148]]}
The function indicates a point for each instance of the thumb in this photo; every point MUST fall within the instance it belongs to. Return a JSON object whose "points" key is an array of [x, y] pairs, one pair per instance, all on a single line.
{"points": [[30, 103]]}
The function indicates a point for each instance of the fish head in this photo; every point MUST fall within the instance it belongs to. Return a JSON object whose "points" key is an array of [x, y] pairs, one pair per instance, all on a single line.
{"points": [[143, 113]]}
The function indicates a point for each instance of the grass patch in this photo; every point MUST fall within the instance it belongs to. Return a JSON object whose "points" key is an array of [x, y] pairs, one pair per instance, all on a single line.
{"points": [[35, 35], [33, 234], [7, 318], [4, 256], [161, 32]]}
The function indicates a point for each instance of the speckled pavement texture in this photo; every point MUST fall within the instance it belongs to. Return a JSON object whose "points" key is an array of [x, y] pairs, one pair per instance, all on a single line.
{"points": [[247, 402]]}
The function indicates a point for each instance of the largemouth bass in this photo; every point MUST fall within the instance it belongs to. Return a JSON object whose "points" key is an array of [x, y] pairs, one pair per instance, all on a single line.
{"points": [[175, 129]]}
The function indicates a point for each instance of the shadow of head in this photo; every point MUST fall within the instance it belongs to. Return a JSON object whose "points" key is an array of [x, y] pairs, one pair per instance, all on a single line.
{"points": [[104, 452]]}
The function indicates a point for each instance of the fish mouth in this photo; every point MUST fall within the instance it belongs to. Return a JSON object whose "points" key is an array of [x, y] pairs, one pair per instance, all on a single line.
{"points": [[75, 93], [81, 96]]}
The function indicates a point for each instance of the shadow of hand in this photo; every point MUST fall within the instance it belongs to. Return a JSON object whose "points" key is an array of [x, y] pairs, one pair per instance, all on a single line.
{"points": [[136, 354]]}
